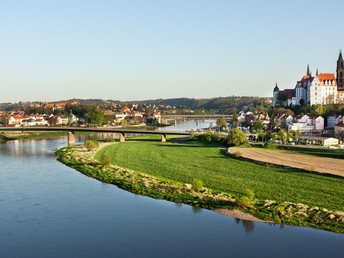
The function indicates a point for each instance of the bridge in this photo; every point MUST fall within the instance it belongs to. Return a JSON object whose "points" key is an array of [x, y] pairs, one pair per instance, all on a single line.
{"points": [[196, 116], [72, 130]]}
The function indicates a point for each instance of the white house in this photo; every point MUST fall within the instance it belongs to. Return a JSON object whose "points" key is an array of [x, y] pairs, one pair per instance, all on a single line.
{"points": [[318, 123], [302, 119], [303, 127]]}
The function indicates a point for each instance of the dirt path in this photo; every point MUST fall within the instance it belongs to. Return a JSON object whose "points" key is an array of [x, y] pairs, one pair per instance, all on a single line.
{"points": [[295, 160]]}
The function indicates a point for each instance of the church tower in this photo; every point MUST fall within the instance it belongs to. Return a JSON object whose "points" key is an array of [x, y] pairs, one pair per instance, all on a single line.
{"points": [[275, 95], [340, 72]]}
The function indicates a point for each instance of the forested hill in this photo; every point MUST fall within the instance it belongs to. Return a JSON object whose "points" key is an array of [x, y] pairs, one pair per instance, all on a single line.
{"points": [[219, 105]]}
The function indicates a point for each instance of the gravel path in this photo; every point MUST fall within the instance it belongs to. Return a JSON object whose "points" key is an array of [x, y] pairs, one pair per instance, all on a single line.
{"points": [[295, 160]]}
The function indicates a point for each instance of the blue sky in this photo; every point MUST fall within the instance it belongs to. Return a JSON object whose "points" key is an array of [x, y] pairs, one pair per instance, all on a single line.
{"points": [[134, 50]]}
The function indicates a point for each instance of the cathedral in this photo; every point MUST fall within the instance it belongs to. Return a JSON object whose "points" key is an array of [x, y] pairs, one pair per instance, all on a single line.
{"points": [[319, 89]]}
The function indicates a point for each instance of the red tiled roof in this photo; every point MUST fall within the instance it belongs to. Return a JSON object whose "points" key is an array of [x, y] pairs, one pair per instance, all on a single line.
{"points": [[340, 124], [323, 77]]}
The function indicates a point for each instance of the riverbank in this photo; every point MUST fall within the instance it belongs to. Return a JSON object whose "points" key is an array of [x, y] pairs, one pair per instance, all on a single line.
{"points": [[135, 181]]}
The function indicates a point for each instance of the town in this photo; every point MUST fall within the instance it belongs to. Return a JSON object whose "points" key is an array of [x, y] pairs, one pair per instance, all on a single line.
{"points": [[171, 129]]}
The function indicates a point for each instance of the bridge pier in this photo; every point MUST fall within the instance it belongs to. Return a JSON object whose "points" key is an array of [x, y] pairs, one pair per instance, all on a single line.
{"points": [[71, 138], [163, 137], [121, 137]]}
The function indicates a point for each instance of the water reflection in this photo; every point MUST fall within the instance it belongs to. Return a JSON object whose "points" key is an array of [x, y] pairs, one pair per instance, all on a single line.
{"points": [[196, 210], [247, 224]]}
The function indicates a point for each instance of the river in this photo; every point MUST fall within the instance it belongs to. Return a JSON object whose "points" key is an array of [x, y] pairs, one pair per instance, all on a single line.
{"points": [[51, 210]]}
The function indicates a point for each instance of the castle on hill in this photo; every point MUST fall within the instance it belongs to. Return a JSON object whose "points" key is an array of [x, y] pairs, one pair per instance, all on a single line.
{"points": [[319, 89]]}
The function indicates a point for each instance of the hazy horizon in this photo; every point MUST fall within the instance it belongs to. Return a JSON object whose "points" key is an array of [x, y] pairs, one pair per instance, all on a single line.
{"points": [[141, 50]]}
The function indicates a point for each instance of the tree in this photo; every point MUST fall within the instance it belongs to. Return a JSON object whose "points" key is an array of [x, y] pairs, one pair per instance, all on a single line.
{"points": [[221, 122], [52, 121], [5, 118], [257, 127], [235, 119], [124, 122], [282, 135], [91, 145], [95, 117], [236, 138]]}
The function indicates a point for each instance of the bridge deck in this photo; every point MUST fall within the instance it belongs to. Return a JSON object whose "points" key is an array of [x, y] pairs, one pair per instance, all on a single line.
{"points": [[96, 130]]}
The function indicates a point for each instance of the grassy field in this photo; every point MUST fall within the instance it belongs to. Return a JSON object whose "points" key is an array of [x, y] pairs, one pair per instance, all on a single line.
{"points": [[185, 161], [337, 154]]}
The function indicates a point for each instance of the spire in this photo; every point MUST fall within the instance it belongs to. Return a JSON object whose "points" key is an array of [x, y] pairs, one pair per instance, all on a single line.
{"points": [[276, 88], [308, 72], [317, 72], [340, 62]]}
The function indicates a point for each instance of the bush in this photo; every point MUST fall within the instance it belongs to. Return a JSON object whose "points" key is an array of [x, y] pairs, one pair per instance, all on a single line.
{"points": [[208, 138], [246, 200], [109, 139], [105, 159], [313, 168], [236, 137], [197, 185], [192, 134], [91, 145], [237, 154]]}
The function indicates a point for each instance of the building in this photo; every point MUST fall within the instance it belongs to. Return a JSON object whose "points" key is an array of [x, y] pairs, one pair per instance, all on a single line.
{"points": [[318, 123], [340, 72], [338, 128], [333, 120], [319, 89]]}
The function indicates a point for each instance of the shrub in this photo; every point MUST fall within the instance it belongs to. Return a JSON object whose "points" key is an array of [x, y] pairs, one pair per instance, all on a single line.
{"points": [[313, 168], [109, 139], [105, 159], [197, 184], [246, 200], [90, 145], [236, 137], [192, 134], [208, 138], [237, 154]]}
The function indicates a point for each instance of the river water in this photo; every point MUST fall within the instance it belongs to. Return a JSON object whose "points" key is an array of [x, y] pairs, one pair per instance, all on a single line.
{"points": [[50, 210]]}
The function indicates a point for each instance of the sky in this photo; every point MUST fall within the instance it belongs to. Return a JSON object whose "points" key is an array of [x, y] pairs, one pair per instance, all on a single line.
{"points": [[145, 49]]}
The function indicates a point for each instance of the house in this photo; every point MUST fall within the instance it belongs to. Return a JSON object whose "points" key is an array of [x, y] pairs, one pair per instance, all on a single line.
{"points": [[338, 128], [125, 110], [242, 118], [318, 123], [333, 120], [120, 116], [302, 127], [302, 119], [285, 120], [330, 142]]}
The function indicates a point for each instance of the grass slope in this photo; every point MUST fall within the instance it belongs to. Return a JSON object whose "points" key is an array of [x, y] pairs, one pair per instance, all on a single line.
{"points": [[186, 161]]}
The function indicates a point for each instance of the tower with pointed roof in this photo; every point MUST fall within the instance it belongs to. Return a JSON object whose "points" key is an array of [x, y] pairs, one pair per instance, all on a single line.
{"points": [[340, 72], [275, 95], [309, 73]]}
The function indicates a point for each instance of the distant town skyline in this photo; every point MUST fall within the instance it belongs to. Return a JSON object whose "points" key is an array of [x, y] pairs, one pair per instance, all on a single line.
{"points": [[139, 50]]}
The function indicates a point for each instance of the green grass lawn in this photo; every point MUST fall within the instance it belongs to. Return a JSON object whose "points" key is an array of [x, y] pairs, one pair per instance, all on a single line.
{"points": [[337, 154], [185, 161]]}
